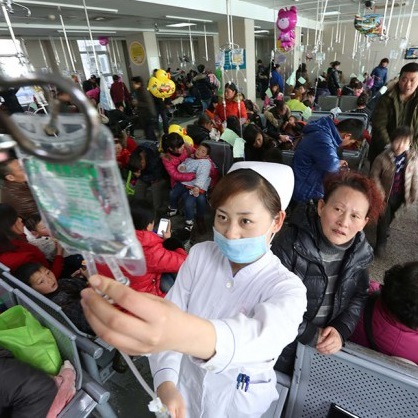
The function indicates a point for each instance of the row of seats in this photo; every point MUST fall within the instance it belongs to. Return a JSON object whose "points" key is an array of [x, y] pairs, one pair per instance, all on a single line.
{"points": [[345, 103], [90, 356], [361, 381]]}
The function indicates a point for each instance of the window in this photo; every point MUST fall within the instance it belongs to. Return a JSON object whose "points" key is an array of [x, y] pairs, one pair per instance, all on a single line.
{"points": [[86, 48]]}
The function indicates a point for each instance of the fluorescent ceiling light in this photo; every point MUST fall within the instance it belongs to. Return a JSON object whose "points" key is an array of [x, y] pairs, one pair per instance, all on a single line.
{"points": [[261, 31], [68, 6], [85, 31], [257, 27], [332, 13], [181, 25], [189, 18]]}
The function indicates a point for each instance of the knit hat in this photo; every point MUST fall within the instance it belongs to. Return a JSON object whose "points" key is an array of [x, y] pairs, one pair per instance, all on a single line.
{"points": [[278, 175]]}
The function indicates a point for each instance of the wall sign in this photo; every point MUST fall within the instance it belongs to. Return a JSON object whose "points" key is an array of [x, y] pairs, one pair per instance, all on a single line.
{"points": [[137, 53]]}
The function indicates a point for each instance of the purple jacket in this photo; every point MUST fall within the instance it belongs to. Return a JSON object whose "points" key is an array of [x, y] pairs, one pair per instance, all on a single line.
{"points": [[391, 337]]}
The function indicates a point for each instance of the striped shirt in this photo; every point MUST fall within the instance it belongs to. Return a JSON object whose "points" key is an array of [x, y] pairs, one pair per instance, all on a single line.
{"points": [[399, 177]]}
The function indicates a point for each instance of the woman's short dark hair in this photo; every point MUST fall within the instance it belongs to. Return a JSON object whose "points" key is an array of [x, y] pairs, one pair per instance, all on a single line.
{"points": [[246, 180], [25, 272], [142, 213], [403, 131], [399, 293], [8, 217], [203, 119], [233, 123], [173, 141], [358, 182]]}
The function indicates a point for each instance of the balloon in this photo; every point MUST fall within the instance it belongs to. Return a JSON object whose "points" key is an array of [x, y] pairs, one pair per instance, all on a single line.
{"points": [[182, 132], [286, 23], [160, 85], [369, 25], [103, 40]]}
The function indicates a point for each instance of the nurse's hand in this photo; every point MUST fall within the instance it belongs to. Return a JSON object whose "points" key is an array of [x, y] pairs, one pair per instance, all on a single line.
{"points": [[172, 399], [329, 341], [152, 324]]}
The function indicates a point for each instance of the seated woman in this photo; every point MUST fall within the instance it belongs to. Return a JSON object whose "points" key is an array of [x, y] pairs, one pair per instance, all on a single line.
{"points": [[253, 113], [200, 130], [275, 95], [295, 103], [233, 104], [65, 292], [276, 117], [327, 248], [15, 249], [391, 315]]}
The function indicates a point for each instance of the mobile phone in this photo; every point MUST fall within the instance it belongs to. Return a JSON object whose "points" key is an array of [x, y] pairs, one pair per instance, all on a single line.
{"points": [[162, 226]]}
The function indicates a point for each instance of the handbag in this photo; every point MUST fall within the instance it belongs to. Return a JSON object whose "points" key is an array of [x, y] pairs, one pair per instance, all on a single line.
{"points": [[23, 335]]}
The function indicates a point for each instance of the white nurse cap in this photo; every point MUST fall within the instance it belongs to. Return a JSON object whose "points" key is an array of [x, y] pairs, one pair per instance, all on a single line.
{"points": [[278, 175]]}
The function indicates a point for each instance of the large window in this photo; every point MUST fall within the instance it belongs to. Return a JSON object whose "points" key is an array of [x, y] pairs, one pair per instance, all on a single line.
{"points": [[86, 48], [11, 66]]}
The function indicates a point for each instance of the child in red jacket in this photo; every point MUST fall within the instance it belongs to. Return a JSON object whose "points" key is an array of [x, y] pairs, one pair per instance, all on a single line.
{"points": [[163, 256]]}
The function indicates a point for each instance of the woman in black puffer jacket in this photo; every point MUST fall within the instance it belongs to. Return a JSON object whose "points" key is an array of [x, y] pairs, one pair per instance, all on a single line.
{"points": [[326, 247]]}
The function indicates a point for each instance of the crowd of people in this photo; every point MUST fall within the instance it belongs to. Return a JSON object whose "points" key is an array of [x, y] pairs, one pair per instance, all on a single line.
{"points": [[288, 259]]}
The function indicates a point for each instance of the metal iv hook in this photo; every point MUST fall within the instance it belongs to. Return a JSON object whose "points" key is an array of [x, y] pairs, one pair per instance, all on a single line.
{"points": [[77, 97]]}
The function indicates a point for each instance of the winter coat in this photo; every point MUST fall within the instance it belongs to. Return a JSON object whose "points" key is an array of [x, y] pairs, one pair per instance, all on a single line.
{"points": [[19, 196], [276, 78], [315, 156], [171, 162], [198, 133], [297, 246], [295, 104], [23, 253], [24, 390], [383, 173], [119, 93], [391, 337], [333, 81], [158, 261], [379, 75], [390, 113], [231, 108], [203, 86], [68, 297]]}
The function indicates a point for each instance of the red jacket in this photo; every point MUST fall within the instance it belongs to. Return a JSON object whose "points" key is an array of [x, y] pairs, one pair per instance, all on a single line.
{"points": [[391, 337], [158, 261], [171, 162], [119, 92], [27, 253], [231, 109]]}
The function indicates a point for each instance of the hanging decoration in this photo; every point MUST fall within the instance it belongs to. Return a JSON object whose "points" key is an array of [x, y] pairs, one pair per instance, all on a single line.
{"points": [[286, 23], [160, 85], [370, 25], [103, 40]]}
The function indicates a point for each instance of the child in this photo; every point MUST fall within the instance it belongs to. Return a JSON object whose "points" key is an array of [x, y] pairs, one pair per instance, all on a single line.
{"points": [[230, 312], [164, 256], [63, 292], [395, 172], [201, 164], [293, 127]]}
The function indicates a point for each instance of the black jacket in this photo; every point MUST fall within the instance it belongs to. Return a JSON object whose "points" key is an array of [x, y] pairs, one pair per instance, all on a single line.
{"points": [[198, 133], [297, 248]]}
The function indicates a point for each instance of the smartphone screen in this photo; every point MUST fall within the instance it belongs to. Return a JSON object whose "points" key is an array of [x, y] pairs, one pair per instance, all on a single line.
{"points": [[162, 226]]}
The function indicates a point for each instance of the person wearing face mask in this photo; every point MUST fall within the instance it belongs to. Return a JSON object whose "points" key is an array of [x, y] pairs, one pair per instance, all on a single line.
{"points": [[327, 248], [230, 312], [395, 172]]}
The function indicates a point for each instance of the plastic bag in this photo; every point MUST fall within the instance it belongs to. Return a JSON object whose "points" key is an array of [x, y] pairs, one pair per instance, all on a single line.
{"points": [[23, 335], [83, 203]]}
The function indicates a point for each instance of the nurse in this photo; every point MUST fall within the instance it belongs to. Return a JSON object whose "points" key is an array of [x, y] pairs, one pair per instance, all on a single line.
{"points": [[232, 310]]}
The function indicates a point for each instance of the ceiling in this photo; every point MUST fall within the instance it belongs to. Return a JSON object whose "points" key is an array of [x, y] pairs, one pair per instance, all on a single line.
{"points": [[130, 16]]}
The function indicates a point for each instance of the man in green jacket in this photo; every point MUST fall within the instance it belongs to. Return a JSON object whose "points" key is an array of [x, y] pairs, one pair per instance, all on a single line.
{"points": [[398, 106]]}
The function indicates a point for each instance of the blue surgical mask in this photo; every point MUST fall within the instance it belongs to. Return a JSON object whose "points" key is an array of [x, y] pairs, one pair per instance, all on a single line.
{"points": [[243, 250]]}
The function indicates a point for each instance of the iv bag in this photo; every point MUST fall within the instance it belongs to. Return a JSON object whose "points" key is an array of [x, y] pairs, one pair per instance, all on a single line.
{"points": [[83, 203]]}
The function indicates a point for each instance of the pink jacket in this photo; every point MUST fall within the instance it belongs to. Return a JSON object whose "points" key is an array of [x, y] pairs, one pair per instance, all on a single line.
{"points": [[171, 162], [158, 261], [391, 337]]}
